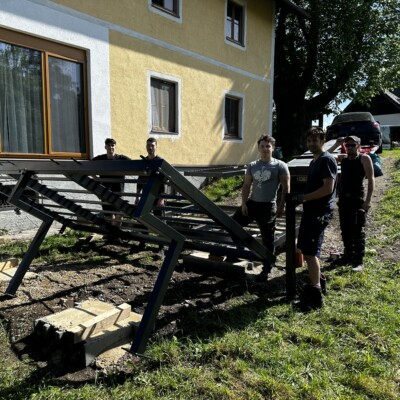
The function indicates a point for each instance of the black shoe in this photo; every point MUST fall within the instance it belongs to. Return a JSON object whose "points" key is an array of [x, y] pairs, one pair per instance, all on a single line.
{"points": [[160, 254], [344, 260], [322, 281], [310, 299], [263, 275]]}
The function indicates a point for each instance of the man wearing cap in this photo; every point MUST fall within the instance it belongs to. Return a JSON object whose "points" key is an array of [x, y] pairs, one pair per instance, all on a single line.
{"points": [[353, 204]]}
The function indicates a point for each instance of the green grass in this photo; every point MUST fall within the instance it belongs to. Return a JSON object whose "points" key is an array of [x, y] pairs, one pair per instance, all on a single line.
{"points": [[259, 349], [221, 188]]}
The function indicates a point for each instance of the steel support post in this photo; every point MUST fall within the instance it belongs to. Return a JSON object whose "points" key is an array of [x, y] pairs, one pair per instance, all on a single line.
{"points": [[290, 248], [146, 325]]}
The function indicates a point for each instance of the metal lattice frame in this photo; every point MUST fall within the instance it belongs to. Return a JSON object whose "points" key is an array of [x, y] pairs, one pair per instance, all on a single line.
{"points": [[191, 221]]}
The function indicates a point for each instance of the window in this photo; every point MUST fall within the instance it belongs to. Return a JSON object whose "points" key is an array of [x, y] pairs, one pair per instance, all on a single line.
{"points": [[164, 106], [42, 102], [234, 24], [233, 117], [169, 6]]}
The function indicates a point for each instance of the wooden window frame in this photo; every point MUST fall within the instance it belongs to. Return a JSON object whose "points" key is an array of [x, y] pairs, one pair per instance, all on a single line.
{"points": [[48, 49], [238, 136], [236, 6], [176, 8], [176, 82]]}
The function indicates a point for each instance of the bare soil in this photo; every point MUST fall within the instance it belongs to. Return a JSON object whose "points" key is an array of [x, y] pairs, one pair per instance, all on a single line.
{"points": [[195, 304]]}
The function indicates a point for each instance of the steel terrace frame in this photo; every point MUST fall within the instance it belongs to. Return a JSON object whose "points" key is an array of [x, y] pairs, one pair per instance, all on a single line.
{"points": [[27, 175]]}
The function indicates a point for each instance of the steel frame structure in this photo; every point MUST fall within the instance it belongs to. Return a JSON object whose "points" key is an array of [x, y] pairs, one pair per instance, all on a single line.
{"points": [[191, 220]]}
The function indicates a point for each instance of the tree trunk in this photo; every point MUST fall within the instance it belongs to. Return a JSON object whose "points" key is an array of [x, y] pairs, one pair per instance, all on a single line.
{"points": [[292, 122]]}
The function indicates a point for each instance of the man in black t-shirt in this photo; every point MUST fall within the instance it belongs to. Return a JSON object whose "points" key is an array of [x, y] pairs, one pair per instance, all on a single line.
{"points": [[117, 187], [151, 148], [318, 205]]}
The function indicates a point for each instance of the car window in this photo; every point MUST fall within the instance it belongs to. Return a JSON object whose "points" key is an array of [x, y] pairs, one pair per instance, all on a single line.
{"points": [[352, 117]]}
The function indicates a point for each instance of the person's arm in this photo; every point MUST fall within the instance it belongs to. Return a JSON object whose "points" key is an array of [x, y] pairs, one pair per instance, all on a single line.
{"points": [[339, 142], [369, 174], [248, 179], [325, 190], [285, 183]]}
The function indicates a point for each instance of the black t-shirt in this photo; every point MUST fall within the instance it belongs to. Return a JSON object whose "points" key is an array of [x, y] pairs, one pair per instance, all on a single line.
{"points": [[141, 184], [352, 177], [323, 167], [114, 186]]}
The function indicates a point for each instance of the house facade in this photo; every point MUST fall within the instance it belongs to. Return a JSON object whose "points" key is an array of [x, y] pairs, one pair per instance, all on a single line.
{"points": [[195, 74]]}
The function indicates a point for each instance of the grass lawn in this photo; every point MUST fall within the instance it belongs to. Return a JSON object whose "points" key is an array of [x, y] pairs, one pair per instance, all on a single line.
{"points": [[348, 350]]}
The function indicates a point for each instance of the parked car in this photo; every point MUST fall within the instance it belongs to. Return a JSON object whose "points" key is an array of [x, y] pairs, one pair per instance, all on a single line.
{"points": [[361, 124]]}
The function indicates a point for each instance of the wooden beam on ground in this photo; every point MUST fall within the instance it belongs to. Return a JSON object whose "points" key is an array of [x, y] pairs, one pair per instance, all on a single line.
{"points": [[10, 263], [81, 322]]}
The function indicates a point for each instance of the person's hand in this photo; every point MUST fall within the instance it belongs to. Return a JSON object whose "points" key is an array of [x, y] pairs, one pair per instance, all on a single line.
{"points": [[245, 211], [160, 203], [340, 140]]}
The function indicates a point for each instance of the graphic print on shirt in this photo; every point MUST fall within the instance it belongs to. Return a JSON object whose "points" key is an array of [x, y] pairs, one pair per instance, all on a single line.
{"points": [[261, 176]]}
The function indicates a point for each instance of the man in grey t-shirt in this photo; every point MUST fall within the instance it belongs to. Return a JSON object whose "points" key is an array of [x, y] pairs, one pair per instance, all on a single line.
{"points": [[263, 177]]}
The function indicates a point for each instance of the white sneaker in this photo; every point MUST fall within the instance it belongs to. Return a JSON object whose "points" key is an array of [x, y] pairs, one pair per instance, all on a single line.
{"points": [[358, 268]]}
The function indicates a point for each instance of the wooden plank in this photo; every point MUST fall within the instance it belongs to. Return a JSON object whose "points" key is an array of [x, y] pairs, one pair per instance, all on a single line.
{"points": [[113, 336], [10, 263], [101, 322], [86, 319], [7, 274]]}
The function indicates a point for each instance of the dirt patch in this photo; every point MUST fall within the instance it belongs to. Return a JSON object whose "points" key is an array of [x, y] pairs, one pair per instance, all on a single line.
{"points": [[193, 302]]}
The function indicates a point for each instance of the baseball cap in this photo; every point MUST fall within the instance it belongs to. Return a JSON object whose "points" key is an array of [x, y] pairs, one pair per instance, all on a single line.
{"points": [[353, 138]]}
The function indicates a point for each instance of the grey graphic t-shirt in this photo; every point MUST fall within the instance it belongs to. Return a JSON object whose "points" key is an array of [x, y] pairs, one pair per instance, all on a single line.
{"points": [[266, 178]]}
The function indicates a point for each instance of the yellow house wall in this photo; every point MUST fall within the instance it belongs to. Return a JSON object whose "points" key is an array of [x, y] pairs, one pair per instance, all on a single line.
{"points": [[202, 29], [203, 84], [201, 138]]}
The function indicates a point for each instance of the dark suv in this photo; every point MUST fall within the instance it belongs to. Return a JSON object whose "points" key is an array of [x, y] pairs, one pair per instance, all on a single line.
{"points": [[361, 124]]}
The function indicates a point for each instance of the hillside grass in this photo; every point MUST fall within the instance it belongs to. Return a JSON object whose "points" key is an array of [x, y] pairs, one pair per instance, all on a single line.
{"points": [[260, 349]]}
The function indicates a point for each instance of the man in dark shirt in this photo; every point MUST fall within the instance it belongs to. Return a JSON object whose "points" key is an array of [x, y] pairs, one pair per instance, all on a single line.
{"points": [[151, 148], [117, 187], [353, 204], [318, 202]]}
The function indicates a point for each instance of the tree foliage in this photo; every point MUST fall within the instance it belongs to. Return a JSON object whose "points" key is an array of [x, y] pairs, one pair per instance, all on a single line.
{"points": [[347, 49]]}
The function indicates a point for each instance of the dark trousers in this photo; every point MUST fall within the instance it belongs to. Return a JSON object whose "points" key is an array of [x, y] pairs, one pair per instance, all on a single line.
{"points": [[352, 224], [265, 216]]}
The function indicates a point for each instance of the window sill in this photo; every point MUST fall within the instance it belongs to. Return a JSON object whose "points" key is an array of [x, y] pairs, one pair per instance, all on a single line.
{"points": [[234, 42], [156, 132]]}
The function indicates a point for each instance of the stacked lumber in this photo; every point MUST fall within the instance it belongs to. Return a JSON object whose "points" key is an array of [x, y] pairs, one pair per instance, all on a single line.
{"points": [[79, 334]]}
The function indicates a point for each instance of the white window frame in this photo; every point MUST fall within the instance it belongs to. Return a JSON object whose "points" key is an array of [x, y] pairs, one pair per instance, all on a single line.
{"points": [[178, 84], [158, 11], [242, 3], [241, 98]]}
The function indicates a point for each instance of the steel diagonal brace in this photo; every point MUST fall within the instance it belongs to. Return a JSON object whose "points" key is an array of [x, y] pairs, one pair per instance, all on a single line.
{"points": [[160, 287], [15, 198], [149, 194], [63, 201], [191, 193], [103, 193]]}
